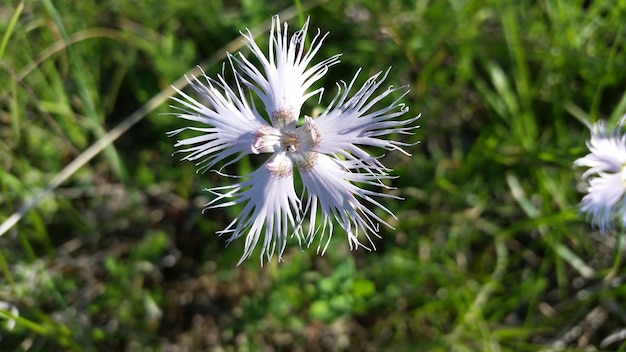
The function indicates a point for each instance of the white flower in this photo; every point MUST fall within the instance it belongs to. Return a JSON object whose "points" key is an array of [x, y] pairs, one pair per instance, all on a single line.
{"points": [[327, 151], [605, 203]]}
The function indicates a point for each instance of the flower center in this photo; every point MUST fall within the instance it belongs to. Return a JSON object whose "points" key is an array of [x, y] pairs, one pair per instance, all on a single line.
{"points": [[295, 146], [288, 138], [622, 175], [290, 142]]}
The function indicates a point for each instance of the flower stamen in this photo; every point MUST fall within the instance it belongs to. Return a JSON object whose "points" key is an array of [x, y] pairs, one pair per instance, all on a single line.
{"points": [[291, 142], [284, 118], [281, 166], [266, 140]]}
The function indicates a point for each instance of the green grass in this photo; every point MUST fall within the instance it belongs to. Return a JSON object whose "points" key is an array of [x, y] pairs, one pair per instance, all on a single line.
{"points": [[489, 251]]}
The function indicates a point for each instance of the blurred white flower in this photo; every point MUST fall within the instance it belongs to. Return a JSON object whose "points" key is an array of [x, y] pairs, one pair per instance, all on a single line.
{"points": [[604, 202], [7, 307], [334, 169]]}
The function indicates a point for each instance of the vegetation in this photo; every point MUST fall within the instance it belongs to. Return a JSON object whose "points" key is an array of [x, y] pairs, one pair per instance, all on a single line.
{"points": [[489, 252]]}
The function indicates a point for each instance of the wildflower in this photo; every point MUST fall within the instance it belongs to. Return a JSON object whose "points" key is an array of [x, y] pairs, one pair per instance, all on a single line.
{"points": [[604, 202], [327, 151]]}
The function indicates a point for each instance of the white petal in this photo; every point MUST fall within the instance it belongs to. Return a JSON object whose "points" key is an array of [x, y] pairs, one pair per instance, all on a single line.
{"points": [[271, 208], [329, 183], [231, 123], [604, 201], [286, 77], [350, 122], [608, 151]]}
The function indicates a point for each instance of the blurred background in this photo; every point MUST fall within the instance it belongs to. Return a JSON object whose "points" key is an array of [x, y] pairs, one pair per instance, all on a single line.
{"points": [[489, 252]]}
